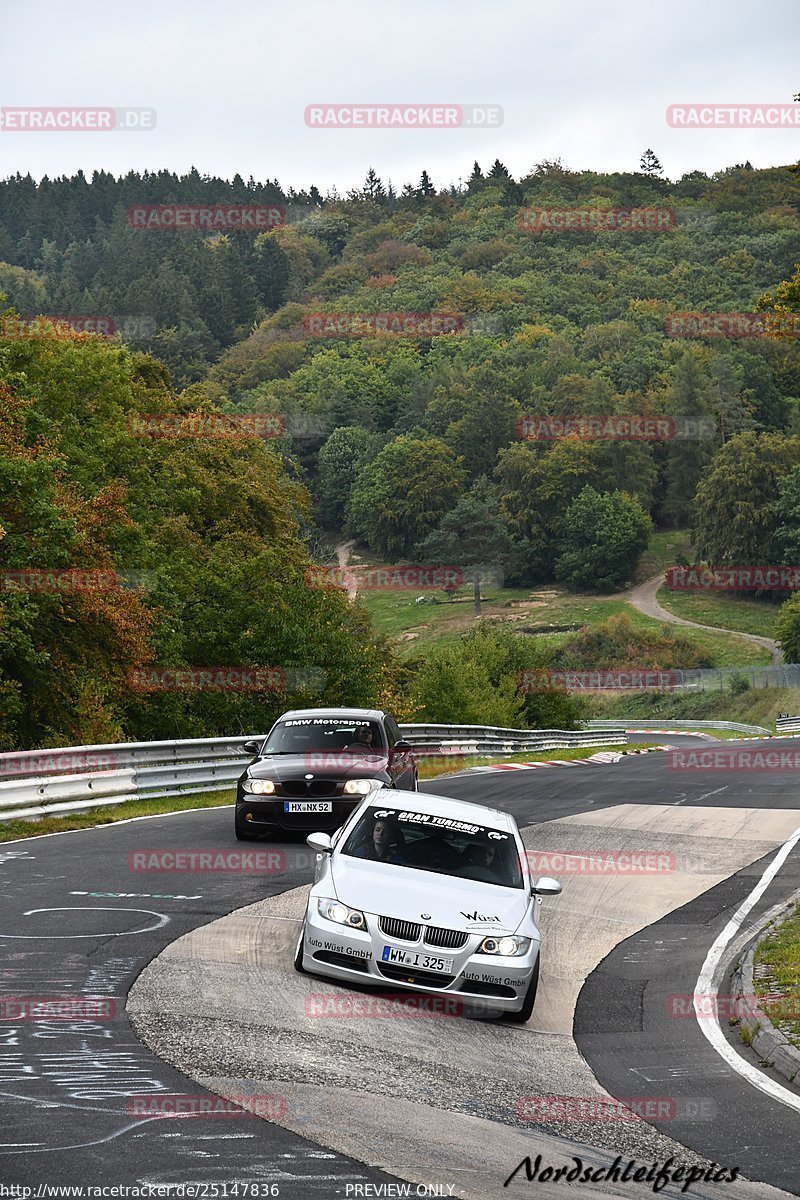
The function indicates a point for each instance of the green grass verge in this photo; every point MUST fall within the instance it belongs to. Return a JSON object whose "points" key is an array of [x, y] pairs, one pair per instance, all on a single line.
{"points": [[728, 612], [756, 706], [21, 828], [780, 955]]}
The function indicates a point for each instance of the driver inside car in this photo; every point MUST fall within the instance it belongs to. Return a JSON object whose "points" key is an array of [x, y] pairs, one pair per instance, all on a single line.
{"points": [[387, 843]]}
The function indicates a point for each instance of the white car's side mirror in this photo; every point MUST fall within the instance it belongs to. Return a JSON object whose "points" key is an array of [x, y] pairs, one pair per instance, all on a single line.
{"points": [[546, 887], [322, 843]]}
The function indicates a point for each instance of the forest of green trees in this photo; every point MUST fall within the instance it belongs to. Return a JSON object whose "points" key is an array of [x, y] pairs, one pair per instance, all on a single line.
{"points": [[410, 443]]}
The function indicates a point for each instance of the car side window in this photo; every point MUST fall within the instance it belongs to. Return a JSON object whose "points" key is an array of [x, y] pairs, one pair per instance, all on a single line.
{"points": [[392, 731]]}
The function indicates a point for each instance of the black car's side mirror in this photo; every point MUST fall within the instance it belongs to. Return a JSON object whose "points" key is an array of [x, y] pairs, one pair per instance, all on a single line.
{"points": [[252, 746], [402, 747]]}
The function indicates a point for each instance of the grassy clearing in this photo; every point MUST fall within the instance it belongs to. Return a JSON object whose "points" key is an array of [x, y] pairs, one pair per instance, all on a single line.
{"points": [[21, 828], [716, 608], [779, 955], [416, 627], [663, 551]]}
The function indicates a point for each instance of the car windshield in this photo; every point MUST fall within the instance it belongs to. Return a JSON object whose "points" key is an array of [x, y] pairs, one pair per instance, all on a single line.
{"points": [[444, 845], [320, 735]]}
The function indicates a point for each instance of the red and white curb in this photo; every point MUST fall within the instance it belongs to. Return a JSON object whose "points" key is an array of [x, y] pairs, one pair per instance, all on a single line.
{"points": [[761, 737], [599, 759]]}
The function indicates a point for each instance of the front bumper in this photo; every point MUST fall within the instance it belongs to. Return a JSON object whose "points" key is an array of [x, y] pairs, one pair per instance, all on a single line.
{"points": [[267, 813], [485, 983]]}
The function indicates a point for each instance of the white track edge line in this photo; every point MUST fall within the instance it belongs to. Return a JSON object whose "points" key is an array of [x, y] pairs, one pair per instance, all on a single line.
{"points": [[710, 1027]]}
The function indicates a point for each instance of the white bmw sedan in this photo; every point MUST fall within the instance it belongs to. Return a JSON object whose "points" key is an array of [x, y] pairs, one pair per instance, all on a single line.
{"points": [[427, 894]]}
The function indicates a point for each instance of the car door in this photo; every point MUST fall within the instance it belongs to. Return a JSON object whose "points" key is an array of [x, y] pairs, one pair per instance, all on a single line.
{"points": [[401, 764]]}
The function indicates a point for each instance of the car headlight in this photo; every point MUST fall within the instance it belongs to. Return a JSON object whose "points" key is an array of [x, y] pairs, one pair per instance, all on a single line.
{"points": [[334, 910], [361, 787], [507, 946], [258, 787]]}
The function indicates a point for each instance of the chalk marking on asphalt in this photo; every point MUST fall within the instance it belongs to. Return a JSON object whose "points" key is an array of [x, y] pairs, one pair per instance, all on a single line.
{"points": [[163, 919], [42, 1149], [705, 795], [710, 1026]]}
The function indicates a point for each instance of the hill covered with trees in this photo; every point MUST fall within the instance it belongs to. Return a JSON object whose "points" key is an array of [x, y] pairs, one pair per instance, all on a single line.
{"points": [[414, 442]]}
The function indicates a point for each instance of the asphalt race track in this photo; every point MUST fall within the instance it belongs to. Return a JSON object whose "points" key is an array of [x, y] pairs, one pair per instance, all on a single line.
{"points": [[370, 1101]]}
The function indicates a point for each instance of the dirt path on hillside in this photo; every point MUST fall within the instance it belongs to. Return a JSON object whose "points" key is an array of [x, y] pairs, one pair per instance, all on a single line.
{"points": [[343, 557], [643, 598]]}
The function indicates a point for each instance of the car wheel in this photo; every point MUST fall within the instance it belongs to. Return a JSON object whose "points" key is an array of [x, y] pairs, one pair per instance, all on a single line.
{"points": [[519, 1018], [243, 833], [298, 954]]}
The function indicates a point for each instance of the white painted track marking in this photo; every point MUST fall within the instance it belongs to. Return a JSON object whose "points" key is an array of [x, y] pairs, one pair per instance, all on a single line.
{"points": [[705, 985]]}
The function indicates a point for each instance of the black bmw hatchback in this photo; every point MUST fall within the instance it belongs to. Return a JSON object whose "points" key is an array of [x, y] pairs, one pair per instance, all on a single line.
{"points": [[316, 765]]}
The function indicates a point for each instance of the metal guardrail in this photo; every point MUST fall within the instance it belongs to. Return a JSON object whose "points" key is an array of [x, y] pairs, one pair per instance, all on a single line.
{"points": [[68, 779], [676, 726], [492, 739], [720, 679], [788, 724]]}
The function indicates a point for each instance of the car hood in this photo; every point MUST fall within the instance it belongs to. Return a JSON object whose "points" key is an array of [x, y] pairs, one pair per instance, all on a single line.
{"points": [[321, 766], [406, 894]]}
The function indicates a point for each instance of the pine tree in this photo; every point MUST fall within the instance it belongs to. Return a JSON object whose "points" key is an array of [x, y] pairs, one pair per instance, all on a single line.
{"points": [[476, 178], [373, 187], [425, 188], [649, 164]]}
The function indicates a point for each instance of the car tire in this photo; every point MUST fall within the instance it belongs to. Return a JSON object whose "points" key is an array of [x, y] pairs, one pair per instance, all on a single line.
{"points": [[243, 834], [298, 954], [524, 1014]]}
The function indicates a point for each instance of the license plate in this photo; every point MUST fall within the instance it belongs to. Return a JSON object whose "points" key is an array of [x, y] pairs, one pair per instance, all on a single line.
{"points": [[307, 806], [408, 958]]}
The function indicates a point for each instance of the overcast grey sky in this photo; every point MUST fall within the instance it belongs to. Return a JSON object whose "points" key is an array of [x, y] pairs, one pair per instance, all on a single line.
{"points": [[585, 80]]}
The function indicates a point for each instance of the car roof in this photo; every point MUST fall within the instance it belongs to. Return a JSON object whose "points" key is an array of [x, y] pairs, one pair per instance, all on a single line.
{"points": [[374, 714], [445, 806]]}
